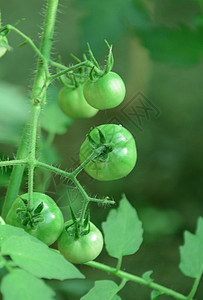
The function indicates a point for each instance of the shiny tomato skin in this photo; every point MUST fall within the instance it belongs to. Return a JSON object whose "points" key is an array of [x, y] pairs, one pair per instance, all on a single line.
{"points": [[47, 230], [73, 103], [82, 250], [105, 92], [119, 162]]}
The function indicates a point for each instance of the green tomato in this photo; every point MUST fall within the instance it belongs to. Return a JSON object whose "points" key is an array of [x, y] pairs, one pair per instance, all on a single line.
{"points": [[105, 92], [3, 41], [86, 248], [73, 103], [45, 222], [121, 158]]}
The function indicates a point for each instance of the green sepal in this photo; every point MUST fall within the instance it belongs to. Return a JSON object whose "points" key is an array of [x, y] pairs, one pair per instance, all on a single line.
{"points": [[73, 215], [75, 57], [102, 138], [91, 141], [91, 74], [110, 60], [39, 208], [93, 59], [25, 201]]}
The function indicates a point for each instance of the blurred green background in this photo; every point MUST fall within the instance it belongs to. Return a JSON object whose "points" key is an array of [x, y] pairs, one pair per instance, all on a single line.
{"points": [[158, 50]]}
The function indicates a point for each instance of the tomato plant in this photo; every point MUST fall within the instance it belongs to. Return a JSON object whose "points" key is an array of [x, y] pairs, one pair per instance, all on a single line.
{"points": [[73, 103], [82, 249], [108, 153], [105, 92], [44, 220], [120, 155]]}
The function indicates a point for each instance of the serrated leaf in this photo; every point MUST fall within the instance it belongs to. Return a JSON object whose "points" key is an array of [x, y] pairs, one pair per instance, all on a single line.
{"points": [[191, 253], [103, 289], [38, 258], [53, 119], [147, 276], [122, 230], [155, 295], [20, 285]]}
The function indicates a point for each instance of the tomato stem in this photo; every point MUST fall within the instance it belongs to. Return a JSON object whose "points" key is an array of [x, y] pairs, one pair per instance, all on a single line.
{"points": [[194, 287], [137, 279], [17, 173]]}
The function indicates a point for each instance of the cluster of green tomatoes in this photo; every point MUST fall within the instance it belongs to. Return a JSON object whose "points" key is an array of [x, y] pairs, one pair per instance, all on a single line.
{"points": [[78, 242], [113, 154]]}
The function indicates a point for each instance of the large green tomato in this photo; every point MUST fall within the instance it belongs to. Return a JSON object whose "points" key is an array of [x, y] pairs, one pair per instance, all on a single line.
{"points": [[73, 103], [120, 159], [86, 248], [45, 225], [105, 92]]}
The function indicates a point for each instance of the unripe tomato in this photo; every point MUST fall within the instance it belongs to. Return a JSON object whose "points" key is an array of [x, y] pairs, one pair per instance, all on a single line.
{"points": [[47, 230], [119, 162], [73, 103], [86, 248], [105, 92]]}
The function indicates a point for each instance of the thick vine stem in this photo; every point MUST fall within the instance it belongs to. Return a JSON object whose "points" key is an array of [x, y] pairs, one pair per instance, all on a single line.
{"points": [[17, 173], [137, 279], [39, 84]]}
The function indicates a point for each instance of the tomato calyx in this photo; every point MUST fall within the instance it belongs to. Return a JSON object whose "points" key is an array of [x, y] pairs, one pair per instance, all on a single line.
{"points": [[75, 228], [30, 217], [106, 148]]}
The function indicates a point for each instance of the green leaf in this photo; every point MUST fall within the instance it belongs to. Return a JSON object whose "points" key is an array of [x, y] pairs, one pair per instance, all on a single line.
{"points": [[155, 295], [103, 289], [6, 231], [173, 45], [191, 253], [53, 119], [122, 230], [147, 276], [38, 258], [20, 285], [13, 114]]}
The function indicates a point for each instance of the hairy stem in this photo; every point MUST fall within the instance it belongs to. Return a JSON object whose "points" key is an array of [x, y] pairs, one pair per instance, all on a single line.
{"points": [[39, 84], [137, 279], [38, 87], [16, 162], [29, 41], [17, 174]]}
